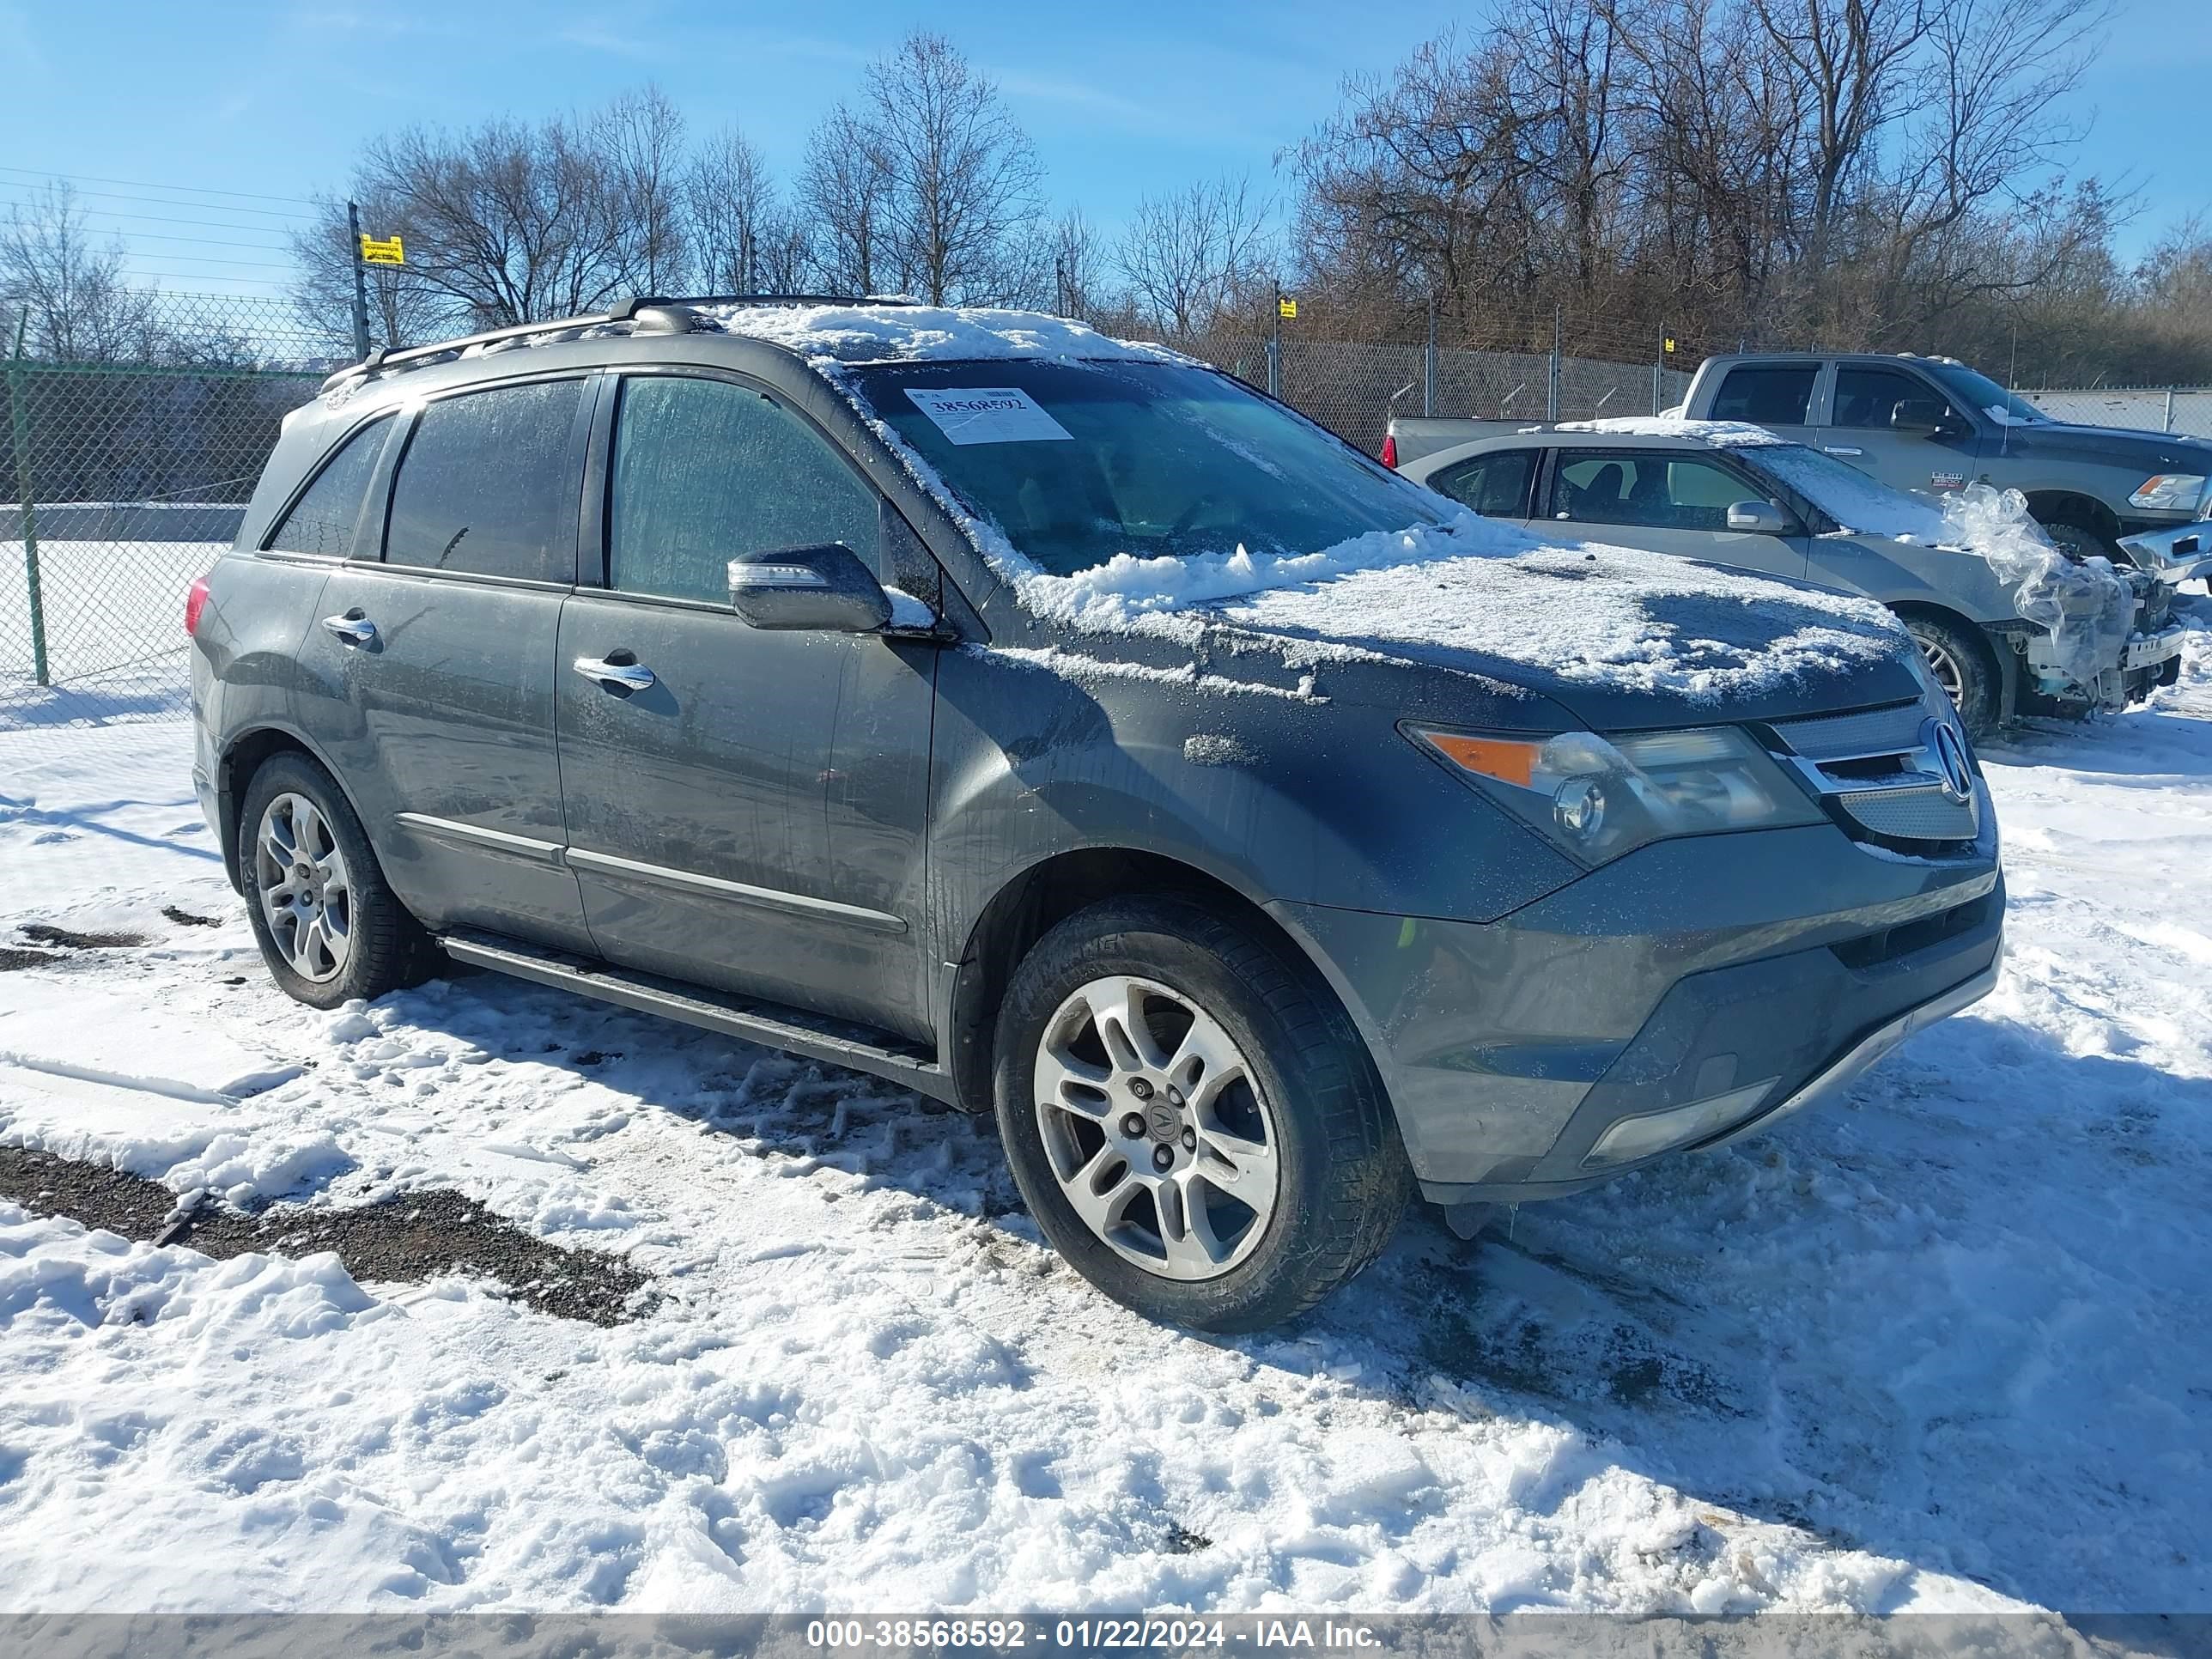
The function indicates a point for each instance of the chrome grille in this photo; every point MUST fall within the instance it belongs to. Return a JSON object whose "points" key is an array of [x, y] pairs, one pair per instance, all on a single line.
{"points": [[1871, 766], [1865, 734], [1918, 812]]}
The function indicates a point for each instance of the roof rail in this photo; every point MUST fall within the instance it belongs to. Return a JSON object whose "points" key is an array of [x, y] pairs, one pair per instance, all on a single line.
{"points": [[623, 310], [385, 358], [783, 300]]}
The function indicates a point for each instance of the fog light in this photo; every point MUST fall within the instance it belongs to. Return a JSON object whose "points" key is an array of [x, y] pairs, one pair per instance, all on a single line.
{"points": [[1639, 1137]]}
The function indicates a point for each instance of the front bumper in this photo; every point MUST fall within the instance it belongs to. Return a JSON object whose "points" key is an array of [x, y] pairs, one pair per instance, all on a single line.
{"points": [[1511, 1049], [2172, 556]]}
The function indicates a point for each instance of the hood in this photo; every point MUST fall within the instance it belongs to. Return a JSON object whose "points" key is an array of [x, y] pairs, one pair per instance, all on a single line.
{"points": [[2120, 445], [1492, 618]]}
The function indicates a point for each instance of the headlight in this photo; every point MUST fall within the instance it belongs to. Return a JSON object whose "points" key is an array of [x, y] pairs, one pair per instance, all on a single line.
{"points": [[1598, 797], [2176, 491]]}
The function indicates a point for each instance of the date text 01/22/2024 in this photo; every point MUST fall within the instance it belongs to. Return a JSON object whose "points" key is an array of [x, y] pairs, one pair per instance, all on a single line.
{"points": [[1083, 1634]]}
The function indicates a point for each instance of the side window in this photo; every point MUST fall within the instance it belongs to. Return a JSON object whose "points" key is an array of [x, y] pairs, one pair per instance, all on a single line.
{"points": [[489, 484], [1775, 394], [1866, 397], [1649, 487], [323, 520], [1494, 485], [705, 471]]}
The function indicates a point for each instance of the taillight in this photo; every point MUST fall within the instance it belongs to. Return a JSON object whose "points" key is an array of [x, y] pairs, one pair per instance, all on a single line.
{"points": [[196, 600], [1390, 449]]}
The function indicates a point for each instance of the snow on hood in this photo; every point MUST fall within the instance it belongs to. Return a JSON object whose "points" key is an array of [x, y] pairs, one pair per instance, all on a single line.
{"points": [[1726, 434], [1590, 614], [904, 333]]}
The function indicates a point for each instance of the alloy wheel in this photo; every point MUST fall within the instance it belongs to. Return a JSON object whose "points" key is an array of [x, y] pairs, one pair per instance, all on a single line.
{"points": [[305, 890], [1156, 1128]]}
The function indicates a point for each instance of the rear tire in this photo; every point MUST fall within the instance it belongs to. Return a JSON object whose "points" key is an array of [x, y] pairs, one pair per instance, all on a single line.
{"points": [[1283, 1107], [330, 928], [1962, 665]]}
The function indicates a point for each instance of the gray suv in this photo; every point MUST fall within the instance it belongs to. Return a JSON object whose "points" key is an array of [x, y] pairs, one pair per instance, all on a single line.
{"points": [[1064, 730]]}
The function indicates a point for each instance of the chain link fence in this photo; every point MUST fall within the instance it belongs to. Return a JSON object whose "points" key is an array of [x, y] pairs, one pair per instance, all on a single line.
{"points": [[1353, 389], [133, 447], [2182, 408]]}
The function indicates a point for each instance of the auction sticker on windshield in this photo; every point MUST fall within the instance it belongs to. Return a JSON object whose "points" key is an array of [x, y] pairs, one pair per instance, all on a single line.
{"points": [[987, 414]]}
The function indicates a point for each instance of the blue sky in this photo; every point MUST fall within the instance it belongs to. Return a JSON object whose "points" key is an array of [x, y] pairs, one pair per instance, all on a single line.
{"points": [[1119, 97]]}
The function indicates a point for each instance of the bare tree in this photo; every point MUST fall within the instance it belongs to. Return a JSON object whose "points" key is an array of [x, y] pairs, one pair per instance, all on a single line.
{"points": [[637, 143], [927, 180], [844, 186], [1188, 254], [69, 290], [1079, 266], [739, 230]]}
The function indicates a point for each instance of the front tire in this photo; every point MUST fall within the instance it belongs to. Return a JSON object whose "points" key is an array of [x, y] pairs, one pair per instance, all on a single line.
{"points": [[1961, 665], [1192, 1118], [330, 928], [2079, 542]]}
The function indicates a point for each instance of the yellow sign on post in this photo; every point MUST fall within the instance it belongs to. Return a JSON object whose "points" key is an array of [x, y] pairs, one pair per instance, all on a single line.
{"points": [[389, 251], [1670, 348], [1286, 305]]}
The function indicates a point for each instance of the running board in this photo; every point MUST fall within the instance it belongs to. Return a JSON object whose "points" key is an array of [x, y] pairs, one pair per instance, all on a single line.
{"points": [[769, 1025]]}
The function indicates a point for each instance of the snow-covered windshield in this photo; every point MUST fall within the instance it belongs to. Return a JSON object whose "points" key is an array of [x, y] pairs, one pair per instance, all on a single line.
{"points": [[1972, 389], [1076, 462], [1847, 496]]}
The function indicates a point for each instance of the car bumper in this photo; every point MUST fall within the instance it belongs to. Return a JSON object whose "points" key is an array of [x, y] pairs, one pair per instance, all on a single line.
{"points": [[2173, 555], [1515, 1052]]}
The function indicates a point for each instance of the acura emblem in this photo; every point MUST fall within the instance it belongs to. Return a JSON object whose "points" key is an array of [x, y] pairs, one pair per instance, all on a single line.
{"points": [[1941, 738]]}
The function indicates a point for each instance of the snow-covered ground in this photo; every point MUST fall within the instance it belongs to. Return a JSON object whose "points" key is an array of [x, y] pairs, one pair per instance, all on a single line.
{"points": [[1943, 1346]]}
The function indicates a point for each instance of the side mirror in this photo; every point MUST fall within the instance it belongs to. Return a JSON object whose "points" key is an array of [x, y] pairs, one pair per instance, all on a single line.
{"points": [[825, 589], [1918, 417], [1758, 518]]}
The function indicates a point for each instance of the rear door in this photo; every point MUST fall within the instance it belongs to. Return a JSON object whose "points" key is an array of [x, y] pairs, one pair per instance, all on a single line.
{"points": [[1497, 484], [754, 817], [1858, 431], [1669, 500], [430, 668]]}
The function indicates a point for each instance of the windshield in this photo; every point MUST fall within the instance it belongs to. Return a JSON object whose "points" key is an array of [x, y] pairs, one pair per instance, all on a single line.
{"points": [[1974, 389], [1075, 462], [1846, 494]]}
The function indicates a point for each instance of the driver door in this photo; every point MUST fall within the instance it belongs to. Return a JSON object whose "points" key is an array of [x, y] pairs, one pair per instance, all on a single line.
{"points": [[1669, 502], [749, 812]]}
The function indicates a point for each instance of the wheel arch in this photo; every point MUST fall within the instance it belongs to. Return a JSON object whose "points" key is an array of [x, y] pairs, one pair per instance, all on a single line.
{"points": [[2071, 506], [244, 755], [2001, 665], [1035, 899]]}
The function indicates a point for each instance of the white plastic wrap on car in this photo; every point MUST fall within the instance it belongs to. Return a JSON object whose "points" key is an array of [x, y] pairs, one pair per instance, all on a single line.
{"points": [[2088, 609]]}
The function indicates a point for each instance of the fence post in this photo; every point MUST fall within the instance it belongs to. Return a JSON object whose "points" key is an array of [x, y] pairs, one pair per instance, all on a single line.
{"points": [[1552, 379], [2169, 410], [1276, 365], [1429, 363], [19, 427]]}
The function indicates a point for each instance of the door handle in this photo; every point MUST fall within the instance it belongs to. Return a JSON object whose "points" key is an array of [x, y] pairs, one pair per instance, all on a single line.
{"points": [[1844, 449], [615, 675], [353, 627]]}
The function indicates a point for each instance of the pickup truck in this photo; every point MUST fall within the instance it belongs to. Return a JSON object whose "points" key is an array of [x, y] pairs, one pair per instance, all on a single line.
{"points": [[1932, 426]]}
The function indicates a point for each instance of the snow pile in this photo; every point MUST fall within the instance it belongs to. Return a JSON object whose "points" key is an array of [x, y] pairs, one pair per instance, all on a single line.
{"points": [[2087, 608], [900, 334], [1725, 433], [1860, 504]]}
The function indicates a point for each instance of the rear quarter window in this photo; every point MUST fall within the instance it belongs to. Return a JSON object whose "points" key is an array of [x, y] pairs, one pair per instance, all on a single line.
{"points": [[1771, 394], [1496, 486], [323, 520], [489, 484]]}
